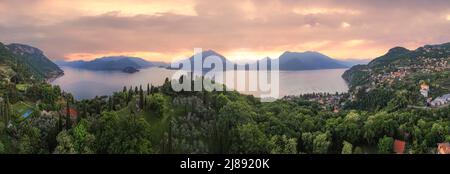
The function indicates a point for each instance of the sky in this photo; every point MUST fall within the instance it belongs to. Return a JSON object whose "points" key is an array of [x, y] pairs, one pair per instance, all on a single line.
{"points": [[165, 30]]}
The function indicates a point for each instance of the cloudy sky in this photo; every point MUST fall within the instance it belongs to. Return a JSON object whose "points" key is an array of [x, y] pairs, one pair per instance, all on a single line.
{"points": [[239, 29]]}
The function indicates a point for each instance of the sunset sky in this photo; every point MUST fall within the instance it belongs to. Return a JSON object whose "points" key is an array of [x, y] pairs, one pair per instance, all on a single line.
{"points": [[238, 29]]}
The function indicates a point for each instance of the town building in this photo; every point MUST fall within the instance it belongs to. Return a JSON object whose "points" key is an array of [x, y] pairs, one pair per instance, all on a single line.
{"points": [[73, 114], [424, 89], [440, 101]]}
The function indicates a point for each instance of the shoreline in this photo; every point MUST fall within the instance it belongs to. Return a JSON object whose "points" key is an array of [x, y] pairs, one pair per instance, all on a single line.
{"points": [[53, 78]]}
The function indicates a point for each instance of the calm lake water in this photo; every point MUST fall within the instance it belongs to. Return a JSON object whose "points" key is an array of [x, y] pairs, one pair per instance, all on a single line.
{"points": [[85, 84]]}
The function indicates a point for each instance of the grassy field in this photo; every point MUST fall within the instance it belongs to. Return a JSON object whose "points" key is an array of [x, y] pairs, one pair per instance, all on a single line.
{"points": [[22, 87]]}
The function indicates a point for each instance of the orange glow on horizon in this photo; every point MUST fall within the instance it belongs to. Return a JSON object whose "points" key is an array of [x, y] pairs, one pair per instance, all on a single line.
{"points": [[238, 55]]}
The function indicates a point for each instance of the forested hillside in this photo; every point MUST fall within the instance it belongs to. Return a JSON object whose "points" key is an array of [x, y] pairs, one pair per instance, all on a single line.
{"points": [[396, 78], [38, 118]]}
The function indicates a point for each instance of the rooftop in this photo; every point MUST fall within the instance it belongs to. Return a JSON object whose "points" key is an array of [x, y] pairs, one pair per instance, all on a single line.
{"points": [[399, 146]]}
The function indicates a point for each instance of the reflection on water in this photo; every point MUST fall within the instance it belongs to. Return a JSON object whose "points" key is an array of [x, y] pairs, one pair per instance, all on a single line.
{"points": [[84, 84]]}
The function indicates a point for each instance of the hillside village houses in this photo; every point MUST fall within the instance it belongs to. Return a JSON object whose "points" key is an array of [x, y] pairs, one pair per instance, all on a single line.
{"points": [[440, 101]]}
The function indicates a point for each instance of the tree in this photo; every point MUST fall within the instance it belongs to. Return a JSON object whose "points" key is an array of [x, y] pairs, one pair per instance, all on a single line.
{"points": [[400, 101], [385, 145], [141, 98], [110, 104], [157, 103], [221, 101], [68, 121], [124, 89], [66, 144], [83, 140], [2, 127], [347, 148], [250, 140], [130, 95], [308, 139], [378, 125], [229, 118], [283, 145], [351, 128], [29, 141], [2, 148], [358, 150], [321, 143], [123, 135]]}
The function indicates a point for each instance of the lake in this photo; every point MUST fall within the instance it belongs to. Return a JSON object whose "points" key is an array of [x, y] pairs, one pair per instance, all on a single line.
{"points": [[86, 84]]}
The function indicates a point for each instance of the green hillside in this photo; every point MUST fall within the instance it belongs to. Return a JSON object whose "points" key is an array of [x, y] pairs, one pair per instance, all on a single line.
{"points": [[22, 63], [401, 72]]}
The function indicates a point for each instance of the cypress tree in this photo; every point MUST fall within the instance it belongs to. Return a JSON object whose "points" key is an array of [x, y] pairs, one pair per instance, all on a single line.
{"points": [[85, 110], [130, 95], [148, 88], [109, 104], [169, 149], [67, 115], [7, 110], [113, 104], [141, 98], [59, 122]]}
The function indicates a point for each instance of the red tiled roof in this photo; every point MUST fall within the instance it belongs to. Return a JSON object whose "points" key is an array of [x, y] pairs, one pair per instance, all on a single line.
{"points": [[444, 148], [399, 146], [73, 112]]}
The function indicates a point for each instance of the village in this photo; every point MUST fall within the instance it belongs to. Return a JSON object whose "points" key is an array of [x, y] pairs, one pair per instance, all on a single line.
{"points": [[426, 65]]}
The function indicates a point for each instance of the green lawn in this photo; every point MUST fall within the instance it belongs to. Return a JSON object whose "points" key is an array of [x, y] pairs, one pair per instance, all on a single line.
{"points": [[22, 87]]}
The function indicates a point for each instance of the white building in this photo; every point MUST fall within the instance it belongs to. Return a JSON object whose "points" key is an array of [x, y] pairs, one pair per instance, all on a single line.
{"points": [[439, 101], [424, 88]]}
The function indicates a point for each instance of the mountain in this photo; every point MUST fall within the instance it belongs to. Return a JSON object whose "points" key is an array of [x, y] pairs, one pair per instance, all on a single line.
{"points": [[288, 61], [113, 63], [353, 62], [429, 63], [398, 60], [296, 61], [401, 78], [204, 55], [28, 62]]}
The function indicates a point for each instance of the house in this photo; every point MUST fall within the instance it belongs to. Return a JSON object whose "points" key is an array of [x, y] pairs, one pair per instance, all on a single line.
{"points": [[399, 146], [443, 148], [73, 114], [439, 101], [424, 88]]}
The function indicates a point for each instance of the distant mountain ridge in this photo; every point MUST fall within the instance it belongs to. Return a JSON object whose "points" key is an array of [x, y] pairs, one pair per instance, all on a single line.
{"points": [[112, 63], [309, 60], [288, 61]]}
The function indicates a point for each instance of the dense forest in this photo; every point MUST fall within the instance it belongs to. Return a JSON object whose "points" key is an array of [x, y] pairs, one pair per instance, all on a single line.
{"points": [[38, 118], [159, 120]]}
